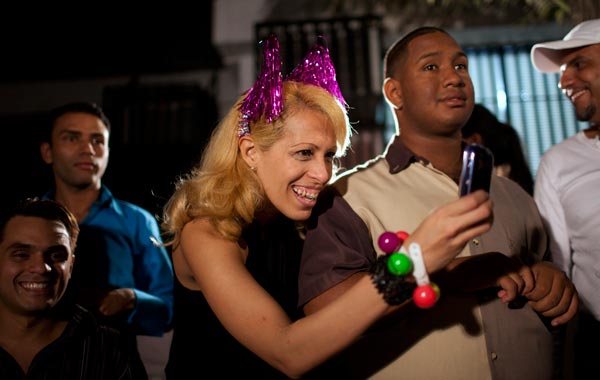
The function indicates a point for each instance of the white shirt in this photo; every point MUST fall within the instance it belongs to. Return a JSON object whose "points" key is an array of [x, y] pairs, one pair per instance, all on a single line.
{"points": [[567, 192]]}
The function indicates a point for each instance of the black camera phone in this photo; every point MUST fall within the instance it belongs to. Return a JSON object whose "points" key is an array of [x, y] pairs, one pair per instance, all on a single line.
{"points": [[477, 167]]}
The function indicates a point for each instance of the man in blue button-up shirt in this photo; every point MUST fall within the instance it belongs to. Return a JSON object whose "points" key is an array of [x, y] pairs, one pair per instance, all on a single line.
{"points": [[120, 273]]}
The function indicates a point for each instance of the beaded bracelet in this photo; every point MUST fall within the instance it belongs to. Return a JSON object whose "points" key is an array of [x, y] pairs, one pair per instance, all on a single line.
{"points": [[389, 271], [395, 289], [427, 293]]}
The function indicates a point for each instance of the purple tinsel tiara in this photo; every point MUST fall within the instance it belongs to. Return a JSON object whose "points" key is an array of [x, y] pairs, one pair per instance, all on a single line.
{"points": [[265, 97]]}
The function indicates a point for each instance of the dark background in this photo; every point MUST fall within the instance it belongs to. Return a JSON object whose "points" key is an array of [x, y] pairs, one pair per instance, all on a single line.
{"points": [[141, 169]]}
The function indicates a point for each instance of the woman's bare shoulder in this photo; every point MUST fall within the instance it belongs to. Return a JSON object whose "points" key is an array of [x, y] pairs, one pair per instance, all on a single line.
{"points": [[201, 247], [199, 227]]}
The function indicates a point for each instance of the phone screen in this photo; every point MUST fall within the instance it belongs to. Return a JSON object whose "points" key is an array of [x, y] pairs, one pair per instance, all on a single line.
{"points": [[477, 166]]}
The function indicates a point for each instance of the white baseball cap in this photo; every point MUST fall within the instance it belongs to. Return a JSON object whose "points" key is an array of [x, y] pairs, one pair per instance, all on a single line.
{"points": [[546, 56]]}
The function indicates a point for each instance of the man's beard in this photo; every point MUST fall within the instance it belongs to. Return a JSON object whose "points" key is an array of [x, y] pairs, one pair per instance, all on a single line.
{"points": [[587, 113]]}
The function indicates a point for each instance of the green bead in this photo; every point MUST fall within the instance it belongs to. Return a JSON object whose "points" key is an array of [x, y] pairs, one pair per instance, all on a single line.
{"points": [[399, 264]]}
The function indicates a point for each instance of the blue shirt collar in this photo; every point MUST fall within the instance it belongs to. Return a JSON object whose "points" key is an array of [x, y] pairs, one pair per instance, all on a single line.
{"points": [[105, 200]]}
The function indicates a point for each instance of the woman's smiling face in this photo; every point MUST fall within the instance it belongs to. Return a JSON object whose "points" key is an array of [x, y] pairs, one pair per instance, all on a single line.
{"points": [[297, 167]]}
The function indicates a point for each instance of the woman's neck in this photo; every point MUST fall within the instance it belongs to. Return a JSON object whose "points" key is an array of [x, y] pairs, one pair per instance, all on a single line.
{"points": [[266, 214]]}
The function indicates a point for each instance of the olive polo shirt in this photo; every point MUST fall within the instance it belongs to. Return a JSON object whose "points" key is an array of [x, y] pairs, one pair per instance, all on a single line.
{"points": [[464, 336]]}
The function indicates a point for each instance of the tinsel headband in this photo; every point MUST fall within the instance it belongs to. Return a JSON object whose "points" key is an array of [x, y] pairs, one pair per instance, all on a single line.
{"points": [[265, 97]]}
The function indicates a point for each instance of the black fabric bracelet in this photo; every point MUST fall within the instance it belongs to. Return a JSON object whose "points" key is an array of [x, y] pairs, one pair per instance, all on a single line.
{"points": [[395, 289]]}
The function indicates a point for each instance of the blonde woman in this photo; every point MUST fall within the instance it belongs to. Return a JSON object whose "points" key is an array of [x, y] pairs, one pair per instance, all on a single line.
{"points": [[234, 225]]}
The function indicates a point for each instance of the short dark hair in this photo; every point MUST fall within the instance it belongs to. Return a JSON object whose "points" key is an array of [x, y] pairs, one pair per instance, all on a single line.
{"points": [[504, 142], [77, 107], [395, 53], [43, 208]]}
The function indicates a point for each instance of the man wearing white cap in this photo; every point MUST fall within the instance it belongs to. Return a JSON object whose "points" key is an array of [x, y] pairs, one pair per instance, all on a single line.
{"points": [[568, 181]]}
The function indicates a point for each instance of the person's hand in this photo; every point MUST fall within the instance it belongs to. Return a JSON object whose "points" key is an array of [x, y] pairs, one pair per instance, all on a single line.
{"points": [[553, 295], [117, 301], [515, 283], [444, 233], [489, 270]]}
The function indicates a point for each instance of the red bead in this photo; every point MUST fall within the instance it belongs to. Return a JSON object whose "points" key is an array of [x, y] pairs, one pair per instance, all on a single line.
{"points": [[388, 242], [402, 235], [425, 296]]}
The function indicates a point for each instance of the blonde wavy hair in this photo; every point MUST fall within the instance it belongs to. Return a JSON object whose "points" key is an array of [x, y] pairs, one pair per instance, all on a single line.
{"points": [[222, 187]]}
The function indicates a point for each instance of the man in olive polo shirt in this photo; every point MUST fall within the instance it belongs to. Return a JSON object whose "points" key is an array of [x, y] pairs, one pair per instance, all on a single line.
{"points": [[471, 333]]}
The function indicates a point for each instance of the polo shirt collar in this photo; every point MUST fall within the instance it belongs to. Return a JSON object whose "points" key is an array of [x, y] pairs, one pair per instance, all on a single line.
{"points": [[399, 157]]}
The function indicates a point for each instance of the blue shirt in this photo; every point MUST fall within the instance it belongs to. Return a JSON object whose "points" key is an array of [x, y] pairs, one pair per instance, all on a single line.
{"points": [[116, 249]]}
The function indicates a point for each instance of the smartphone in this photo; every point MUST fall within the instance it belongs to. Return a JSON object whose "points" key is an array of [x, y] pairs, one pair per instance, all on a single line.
{"points": [[477, 167]]}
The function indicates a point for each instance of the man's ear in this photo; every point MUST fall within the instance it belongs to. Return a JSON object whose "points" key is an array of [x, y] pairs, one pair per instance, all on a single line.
{"points": [[46, 152], [249, 151], [392, 93]]}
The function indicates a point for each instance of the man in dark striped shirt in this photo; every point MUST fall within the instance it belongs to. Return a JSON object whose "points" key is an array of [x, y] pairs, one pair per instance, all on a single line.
{"points": [[40, 338]]}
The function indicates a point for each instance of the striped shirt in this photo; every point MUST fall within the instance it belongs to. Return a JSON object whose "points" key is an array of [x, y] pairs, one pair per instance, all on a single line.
{"points": [[85, 350]]}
